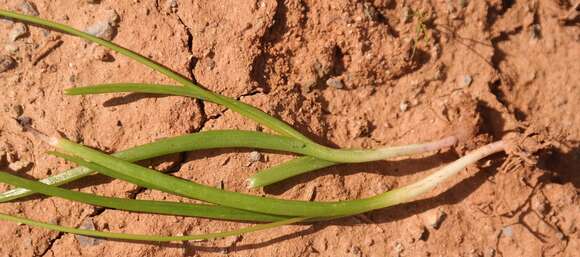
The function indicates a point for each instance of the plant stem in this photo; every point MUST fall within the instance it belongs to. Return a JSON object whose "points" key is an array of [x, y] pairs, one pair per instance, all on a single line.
{"points": [[146, 206], [142, 176], [229, 139], [310, 148], [287, 170]]}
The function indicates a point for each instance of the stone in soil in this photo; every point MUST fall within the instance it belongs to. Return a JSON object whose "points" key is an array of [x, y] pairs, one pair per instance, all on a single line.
{"points": [[6, 63], [435, 218], [28, 8], [255, 156], [335, 82], [85, 241], [102, 29], [19, 165], [467, 80], [19, 30]]}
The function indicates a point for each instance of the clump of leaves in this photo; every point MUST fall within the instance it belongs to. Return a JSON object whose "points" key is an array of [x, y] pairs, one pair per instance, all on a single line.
{"points": [[221, 204]]}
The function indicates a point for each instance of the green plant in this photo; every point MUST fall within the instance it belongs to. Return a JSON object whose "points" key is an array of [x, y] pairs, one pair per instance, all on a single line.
{"points": [[222, 204], [421, 29]]}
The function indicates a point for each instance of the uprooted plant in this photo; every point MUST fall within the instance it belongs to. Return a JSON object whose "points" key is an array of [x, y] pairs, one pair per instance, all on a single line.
{"points": [[221, 204]]}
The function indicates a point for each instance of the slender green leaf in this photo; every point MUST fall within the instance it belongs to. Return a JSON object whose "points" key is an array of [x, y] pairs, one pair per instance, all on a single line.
{"points": [[287, 170], [156, 238], [146, 206], [113, 167]]}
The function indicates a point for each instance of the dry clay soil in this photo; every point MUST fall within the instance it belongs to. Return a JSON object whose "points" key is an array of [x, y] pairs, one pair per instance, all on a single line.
{"points": [[346, 73]]}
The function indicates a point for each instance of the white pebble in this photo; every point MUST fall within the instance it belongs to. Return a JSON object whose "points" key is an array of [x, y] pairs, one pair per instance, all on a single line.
{"points": [[490, 252], [255, 156], [19, 165], [507, 231], [404, 106], [18, 30], [335, 82], [399, 248], [102, 29], [11, 48], [112, 17], [171, 5], [467, 80], [435, 218], [28, 8]]}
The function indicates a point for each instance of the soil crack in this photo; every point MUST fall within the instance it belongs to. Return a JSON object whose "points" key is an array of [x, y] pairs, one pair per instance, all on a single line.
{"points": [[51, 244]]}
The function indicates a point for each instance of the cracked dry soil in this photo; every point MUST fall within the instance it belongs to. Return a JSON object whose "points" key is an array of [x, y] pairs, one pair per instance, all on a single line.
{"points": [[346, 73]]}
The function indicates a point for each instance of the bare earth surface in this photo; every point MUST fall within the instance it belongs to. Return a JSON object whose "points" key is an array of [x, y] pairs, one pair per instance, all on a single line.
{"points": [[346, 73]]}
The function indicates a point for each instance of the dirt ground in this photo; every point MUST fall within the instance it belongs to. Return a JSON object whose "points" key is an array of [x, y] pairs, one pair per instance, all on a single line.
{"points": [[346, 73]]}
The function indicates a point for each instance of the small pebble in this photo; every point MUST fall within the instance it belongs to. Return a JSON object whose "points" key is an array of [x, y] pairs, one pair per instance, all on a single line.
{"points": [[490, 252], [85, 241], [102, 54], [436, 218], [356, 251], [369, 242], [255, 156], [6, 63], [399, 248], [28, 8], [540, 204], [467, 80], [418, 232], [19, 165], [335, 82], [18, 30], [536, 31], [11, 48], [18, 110], [507, 231], [112, 17], [24, 121], [404, 106], [475, 253], [210, 63], [102, 29], [220, 185], [6, 22], [371, 12], [171, 5]]}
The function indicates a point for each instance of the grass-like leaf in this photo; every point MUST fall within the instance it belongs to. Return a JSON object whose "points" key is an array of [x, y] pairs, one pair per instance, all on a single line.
{"points": [[117, 168], [146, 206], [156, 238], [224, 139]]}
